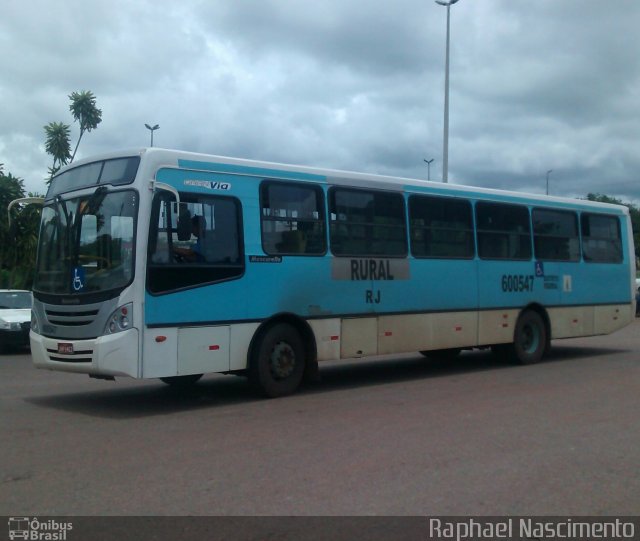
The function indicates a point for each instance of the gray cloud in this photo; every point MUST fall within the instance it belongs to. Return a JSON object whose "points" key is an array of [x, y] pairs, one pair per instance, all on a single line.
{"points": [[340, 84]]}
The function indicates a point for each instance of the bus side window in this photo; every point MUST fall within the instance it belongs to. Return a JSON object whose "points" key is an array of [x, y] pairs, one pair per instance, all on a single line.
{"points": [[503, 231], [555, 235], [292, 218], [179, 259], [441, 227], [367, 223], [601, 238]]}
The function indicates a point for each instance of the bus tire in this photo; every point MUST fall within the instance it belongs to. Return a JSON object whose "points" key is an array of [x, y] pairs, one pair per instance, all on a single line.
{"points": [[181, 382], [277, 361], [530, 340], [442, 354]]}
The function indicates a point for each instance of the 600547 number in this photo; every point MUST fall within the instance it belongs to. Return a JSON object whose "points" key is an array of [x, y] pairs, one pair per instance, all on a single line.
{"points": [[515, 283]]}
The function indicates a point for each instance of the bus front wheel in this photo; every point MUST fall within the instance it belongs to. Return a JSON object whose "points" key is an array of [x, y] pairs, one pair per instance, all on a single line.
{"points": [[277, 361], [530, 340]]}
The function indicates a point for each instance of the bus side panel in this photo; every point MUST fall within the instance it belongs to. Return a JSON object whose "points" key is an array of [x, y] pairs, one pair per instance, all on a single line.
{"points": [[359, 337], [327, 334], [496, 326], [612, 318], [160, 357], [241, 336], [203, 349], [572, 321], [418, 332], [595, 284], [435, 285]]}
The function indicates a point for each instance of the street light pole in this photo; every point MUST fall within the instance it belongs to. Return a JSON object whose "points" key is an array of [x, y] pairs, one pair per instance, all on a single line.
{"points": [[428, 162], [445, 143], [152, 129], [548, 173]]}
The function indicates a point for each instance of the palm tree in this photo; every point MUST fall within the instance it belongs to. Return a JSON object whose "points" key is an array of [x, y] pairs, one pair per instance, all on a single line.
{"points": [[84, 111], [57, 144]]}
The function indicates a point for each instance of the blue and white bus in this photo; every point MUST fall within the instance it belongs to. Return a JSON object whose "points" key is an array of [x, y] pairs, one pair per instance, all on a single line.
{"points": [[165, 264]]}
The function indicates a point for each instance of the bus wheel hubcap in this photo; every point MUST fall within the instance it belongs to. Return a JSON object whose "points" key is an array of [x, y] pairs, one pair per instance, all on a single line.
{"points": [[530, 338], [283, 360]]}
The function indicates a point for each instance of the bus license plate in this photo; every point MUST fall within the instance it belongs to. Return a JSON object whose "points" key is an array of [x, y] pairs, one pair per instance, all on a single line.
{"points": [[65, 349]]}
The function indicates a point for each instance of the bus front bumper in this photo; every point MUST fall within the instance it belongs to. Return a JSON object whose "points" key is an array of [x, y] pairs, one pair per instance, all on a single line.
{"points": [[110, 355]]}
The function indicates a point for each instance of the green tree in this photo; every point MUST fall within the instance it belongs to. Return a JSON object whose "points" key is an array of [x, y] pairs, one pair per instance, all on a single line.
{"points": [[57, 144], [84, 111], [18, 241]]}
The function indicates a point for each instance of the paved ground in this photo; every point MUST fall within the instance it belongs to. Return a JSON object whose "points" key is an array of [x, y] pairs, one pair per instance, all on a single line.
{"points": [[393, 436]]}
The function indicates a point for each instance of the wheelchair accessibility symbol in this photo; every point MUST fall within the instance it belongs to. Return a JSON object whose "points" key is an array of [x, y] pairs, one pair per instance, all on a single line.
{"points": [[78, 279]]}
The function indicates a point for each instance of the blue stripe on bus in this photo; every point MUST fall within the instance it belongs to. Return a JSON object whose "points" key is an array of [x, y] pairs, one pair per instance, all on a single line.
{"points": [[435, 286]]}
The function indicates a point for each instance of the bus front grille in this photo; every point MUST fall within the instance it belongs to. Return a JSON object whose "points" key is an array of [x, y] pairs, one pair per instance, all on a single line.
{"points": [[74, 318]]}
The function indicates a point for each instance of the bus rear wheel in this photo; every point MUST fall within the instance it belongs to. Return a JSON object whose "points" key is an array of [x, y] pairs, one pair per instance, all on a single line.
{"points": [[277, 361], [530, 341]]}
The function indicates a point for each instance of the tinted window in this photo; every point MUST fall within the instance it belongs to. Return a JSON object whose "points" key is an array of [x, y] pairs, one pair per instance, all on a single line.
{"points": [[292, 219], [117, 172], [441, 227], [197, 244], [555, 235], [601, 240], [503, 231], [365, 223]]}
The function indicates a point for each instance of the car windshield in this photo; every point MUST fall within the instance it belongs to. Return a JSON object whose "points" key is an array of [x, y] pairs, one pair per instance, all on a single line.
{"points": [[86, 243], [15, 299]]}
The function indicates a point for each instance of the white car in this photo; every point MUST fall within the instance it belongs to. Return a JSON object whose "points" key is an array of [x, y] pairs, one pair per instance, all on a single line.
{"points": [[15, 317], [637, 296]]}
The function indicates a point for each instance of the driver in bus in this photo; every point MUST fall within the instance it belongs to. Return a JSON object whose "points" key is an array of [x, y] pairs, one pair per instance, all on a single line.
{"points": [[193, 254]]}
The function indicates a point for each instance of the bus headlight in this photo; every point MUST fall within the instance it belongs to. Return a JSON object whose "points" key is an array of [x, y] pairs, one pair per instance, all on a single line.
{"points": [[120, 320]]}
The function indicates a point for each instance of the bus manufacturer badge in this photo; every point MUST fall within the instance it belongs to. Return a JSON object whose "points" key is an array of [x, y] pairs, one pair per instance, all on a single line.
{"points": [[209, 184], [65, 348]]}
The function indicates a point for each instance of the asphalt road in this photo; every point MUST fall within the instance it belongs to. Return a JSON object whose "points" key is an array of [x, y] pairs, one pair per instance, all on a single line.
{"points": [[392, 436]]}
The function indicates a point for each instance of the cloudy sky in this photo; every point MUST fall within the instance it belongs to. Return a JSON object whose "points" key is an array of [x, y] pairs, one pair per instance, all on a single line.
{"points": [[346, 84]]}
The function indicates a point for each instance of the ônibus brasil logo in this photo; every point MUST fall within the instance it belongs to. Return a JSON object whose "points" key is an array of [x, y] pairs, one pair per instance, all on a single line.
{"points": [[38, 530]]}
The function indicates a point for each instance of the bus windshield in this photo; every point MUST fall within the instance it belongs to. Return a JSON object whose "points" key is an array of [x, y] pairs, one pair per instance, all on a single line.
{"points": [[87, 243]]}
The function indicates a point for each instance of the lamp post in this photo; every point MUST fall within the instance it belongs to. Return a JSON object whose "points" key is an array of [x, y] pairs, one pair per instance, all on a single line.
{"points": [[428, 162], [445, 144], [152, 129], [548, 173]]}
